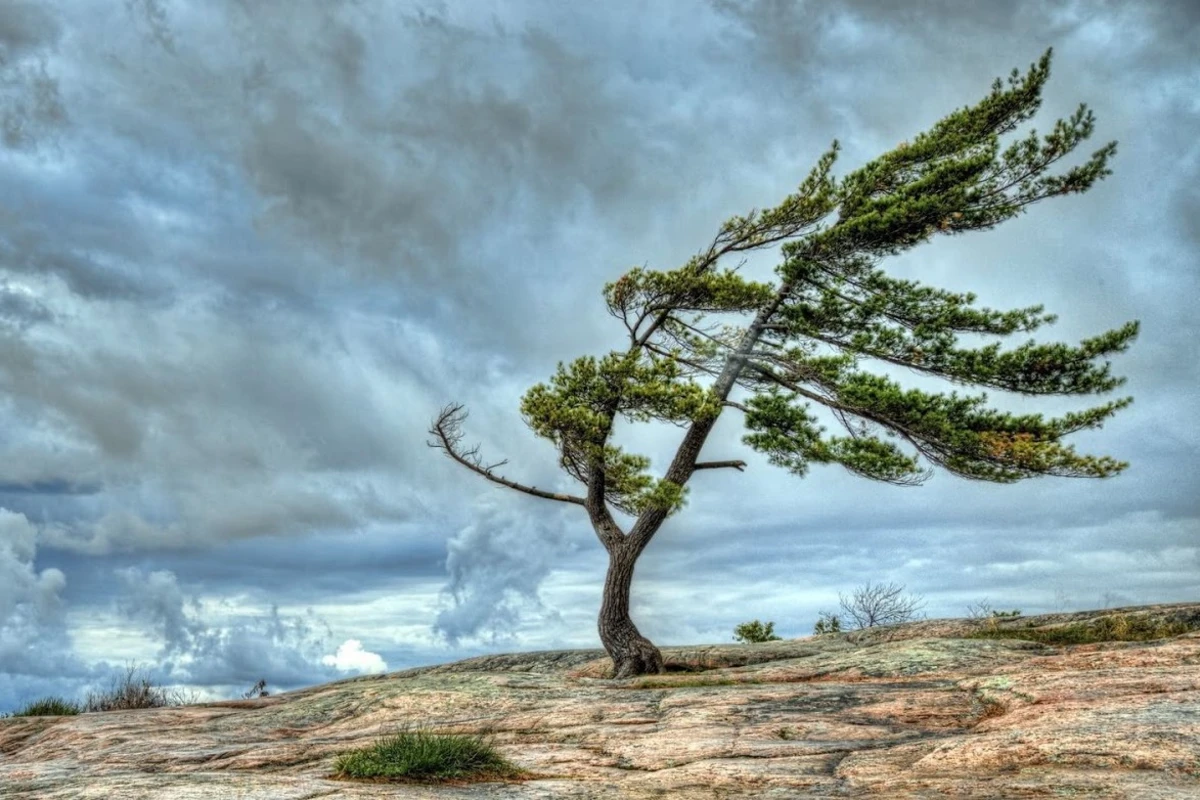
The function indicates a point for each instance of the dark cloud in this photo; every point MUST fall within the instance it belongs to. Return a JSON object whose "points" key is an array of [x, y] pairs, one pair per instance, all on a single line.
{"points": [[358, 564], [31, 107], [20, 310], [25, 28]]}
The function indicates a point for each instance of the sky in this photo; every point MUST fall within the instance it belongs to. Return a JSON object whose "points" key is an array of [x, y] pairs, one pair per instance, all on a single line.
{"points": [[248, 249]]}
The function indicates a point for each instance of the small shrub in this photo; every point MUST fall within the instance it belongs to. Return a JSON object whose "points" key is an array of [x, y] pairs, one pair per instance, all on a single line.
{"points": [[983, 610], [755, 632], [827, 623], [133, 690], [49, 707], [991, 708], [425, 756], [880, 604]]}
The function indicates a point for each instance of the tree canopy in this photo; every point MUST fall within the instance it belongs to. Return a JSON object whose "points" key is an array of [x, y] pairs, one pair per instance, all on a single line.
{"points": [[703, 339]]}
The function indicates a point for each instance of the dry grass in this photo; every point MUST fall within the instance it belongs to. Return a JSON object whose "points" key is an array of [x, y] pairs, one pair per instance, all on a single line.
{"points": [[134, 690]]}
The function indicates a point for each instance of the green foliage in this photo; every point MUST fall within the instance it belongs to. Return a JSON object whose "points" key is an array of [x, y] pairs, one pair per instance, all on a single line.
{"points": [[49, 707], [1016, 612], [827, 623], [791, 438], [577, 409], [755, 632], [951, 179], [686, 289], [955, 178], [1116, 628], [957, 433], [833, 308], [424, 756]]}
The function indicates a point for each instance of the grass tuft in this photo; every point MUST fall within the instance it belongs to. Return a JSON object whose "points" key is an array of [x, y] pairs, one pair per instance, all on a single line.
{"points": [[49, 707], [425, 756], [1117, 628]]}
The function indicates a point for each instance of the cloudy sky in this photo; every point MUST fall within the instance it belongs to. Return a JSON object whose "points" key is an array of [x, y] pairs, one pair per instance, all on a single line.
{"points": [[248, 249]]}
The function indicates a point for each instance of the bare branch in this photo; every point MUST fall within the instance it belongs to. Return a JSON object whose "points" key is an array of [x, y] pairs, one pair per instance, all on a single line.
{"points": [[740, 466], [880, 604], [447, 433], [980, 610]]}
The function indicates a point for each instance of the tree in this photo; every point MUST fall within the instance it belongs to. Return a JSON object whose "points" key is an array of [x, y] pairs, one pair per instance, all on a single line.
{"points": [[875, 604], [827, 623], [807, 339], [755, 632]]}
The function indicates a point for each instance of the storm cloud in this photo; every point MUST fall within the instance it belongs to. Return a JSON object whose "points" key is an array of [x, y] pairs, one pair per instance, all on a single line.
{"points": [[246, 255]]}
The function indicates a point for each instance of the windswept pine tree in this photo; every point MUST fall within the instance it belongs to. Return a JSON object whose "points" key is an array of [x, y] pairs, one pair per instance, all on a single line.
{"points": [[810, 337]]}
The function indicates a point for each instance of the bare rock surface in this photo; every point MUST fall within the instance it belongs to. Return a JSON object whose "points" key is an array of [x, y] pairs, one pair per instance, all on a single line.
{"points": [[910, 712]]}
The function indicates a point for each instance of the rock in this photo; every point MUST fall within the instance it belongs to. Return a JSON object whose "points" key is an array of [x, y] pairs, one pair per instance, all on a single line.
{"points": [[911, 712]]}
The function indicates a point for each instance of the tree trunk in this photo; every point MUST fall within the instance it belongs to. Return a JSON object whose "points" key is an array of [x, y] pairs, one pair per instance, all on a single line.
{"points": [[632, 654]]}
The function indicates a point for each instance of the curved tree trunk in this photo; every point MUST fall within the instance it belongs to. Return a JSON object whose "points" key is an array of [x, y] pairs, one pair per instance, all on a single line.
{"points": [[632, 653]]}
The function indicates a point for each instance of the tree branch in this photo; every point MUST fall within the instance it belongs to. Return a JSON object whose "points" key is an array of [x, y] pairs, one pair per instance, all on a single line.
{"points": [[606, 528], [740, 466], [840, 410], [447, 433]]}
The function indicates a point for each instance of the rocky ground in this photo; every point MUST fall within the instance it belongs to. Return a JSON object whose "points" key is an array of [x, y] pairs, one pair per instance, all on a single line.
{"points": [[911, 712]]}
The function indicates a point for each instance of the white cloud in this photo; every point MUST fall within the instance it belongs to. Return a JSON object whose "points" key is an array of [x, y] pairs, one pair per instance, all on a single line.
{"points": [[35, 646], [351, 657], [200, 647], [497, 564], [30, 601]]}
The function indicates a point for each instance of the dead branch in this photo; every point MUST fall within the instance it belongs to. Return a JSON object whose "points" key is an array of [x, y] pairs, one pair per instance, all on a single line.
{"points": [[448, 434], [740, 466]]}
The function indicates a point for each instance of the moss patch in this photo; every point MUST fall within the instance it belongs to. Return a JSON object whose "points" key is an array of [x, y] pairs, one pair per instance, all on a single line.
{"points": [[1116, 628]]}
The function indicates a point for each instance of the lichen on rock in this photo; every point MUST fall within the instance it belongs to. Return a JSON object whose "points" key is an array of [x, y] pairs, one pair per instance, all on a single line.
{"points": [[914, 711]]}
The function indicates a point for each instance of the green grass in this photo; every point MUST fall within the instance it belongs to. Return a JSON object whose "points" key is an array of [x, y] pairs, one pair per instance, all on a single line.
{"points": [[1118, 628], [48, 707], [425, 756]]}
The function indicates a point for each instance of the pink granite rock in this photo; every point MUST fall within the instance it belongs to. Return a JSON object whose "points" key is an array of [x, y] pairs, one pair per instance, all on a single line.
{"points": [[911, 712]]}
